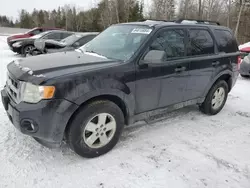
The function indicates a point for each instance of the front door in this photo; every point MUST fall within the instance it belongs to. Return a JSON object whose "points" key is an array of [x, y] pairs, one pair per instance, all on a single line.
{"points": [[164, 83]]}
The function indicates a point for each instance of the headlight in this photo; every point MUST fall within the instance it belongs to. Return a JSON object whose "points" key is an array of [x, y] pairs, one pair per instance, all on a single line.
{"points": [[33, 94], [17, 44]]}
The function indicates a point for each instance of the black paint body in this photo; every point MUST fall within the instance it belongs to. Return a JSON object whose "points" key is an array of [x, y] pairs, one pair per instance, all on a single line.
{"points": [[141, 90]]}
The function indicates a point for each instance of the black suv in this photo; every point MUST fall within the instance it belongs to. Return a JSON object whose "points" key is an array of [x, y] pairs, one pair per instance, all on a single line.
{"points": [[130, 72]]}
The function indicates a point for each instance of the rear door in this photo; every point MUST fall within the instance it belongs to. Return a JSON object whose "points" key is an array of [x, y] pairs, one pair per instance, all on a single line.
{"points": [[203, 61]]}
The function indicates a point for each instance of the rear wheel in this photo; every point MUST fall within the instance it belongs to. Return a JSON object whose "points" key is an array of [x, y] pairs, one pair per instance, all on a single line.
{"points": [[215, 99], [95, 129]]}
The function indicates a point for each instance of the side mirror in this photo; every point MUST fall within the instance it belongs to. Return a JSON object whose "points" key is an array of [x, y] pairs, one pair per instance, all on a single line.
{"points": [[154, 57]]}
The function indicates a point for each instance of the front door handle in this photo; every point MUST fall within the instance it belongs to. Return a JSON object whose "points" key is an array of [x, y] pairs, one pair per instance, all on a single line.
{"points": [[215, 63], [180, 69]]}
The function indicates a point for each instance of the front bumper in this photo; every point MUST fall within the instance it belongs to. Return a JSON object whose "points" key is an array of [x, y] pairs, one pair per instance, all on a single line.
{"points": [[45, 120], [16, 49]]}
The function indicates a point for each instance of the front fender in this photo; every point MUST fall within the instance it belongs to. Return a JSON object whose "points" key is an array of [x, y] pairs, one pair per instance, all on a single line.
{"points": [[128, 99]]}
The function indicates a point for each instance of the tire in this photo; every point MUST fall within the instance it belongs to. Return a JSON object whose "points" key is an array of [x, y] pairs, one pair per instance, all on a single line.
{"points": [[244, 76], [78, 134], [26, 49], [208, 106]]}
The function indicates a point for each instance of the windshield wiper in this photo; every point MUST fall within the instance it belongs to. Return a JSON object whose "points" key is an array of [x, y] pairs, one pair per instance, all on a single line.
{"points": [[93, 52]]}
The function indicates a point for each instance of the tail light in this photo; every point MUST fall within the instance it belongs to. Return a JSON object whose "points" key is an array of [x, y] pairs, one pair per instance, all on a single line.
{"points": [[239, 62]]}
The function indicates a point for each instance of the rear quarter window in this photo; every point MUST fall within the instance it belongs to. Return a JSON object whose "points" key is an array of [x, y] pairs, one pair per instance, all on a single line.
{"points": [[226, 41]]}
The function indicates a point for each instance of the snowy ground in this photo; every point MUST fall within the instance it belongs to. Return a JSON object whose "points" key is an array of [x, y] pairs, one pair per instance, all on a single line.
{"points": [[188, 149]]}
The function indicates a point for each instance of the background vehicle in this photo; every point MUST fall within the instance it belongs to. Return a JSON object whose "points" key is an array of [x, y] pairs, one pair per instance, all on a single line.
{"points": [[244, 49], [129, 72], [245, 66], [68, 44], [28, 34], [25, 45]]}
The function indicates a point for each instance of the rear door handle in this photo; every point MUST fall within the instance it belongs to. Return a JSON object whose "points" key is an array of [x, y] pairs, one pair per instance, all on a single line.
{"points": [[215, 63], [180, 69]]}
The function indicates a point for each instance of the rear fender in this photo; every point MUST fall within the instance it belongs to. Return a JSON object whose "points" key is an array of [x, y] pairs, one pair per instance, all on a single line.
{"points": [[215, 79]]}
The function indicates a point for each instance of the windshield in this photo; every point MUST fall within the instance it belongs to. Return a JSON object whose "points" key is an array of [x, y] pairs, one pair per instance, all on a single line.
{"points": [[71, 39], [29, 31], [38, 36], [118, 42]]}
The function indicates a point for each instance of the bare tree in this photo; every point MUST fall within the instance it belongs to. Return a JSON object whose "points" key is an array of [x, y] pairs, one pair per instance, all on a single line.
{"points": [[242, 5], [163, 9]]}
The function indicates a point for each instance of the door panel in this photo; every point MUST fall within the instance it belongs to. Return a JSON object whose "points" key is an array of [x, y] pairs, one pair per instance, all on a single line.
{"points": [[174, 82], [148, 86], [201, 72], [161, 83], [203, 61]]}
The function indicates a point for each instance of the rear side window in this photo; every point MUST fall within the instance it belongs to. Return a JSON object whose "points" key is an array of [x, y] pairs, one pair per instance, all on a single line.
{"points": [[201, 42], [226, 41]]}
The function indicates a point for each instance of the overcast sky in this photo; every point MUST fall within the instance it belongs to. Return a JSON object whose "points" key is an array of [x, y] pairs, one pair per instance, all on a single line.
{"points": [[11, 8]]}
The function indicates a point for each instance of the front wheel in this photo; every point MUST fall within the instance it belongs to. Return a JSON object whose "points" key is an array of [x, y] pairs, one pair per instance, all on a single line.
{"points": [[27, 49], [95, 129], [215, 99]]}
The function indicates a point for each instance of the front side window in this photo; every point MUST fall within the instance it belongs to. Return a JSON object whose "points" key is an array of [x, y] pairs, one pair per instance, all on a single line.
{"points": [[35, 32], [201, 42], [119, 41], [55, 36], [171, 41], [41, 35], [83, 40]]}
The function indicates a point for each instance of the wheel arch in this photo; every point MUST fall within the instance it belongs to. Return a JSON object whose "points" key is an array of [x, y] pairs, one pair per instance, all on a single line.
{"points": [[126, 108], [226, 75]]}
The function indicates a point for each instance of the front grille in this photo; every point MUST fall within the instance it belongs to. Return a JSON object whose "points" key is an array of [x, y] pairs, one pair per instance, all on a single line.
{"points": [[12, 87]]}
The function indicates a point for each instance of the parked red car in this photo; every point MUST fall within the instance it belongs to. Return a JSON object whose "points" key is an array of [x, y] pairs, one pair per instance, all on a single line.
{"points": [[28, 34]]}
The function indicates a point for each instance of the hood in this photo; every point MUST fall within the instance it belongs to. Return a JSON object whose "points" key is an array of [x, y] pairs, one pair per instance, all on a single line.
{"points": [[37, 69], [24, 39], [19, 35]]}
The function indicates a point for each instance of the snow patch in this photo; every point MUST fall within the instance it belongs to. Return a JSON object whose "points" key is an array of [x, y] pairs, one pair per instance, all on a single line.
{"points": [[186, 150]]}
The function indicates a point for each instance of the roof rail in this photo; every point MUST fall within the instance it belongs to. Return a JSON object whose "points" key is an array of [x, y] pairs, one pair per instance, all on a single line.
{"points": [[193, 21], [197, 21], [154, 20]]}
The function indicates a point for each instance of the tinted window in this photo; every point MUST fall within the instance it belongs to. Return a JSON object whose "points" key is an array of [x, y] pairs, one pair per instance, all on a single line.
{"points": [[226, 42], [55, 36], [37, 31], [170, 41], [65, 35], [84, 40], [201, 43]]}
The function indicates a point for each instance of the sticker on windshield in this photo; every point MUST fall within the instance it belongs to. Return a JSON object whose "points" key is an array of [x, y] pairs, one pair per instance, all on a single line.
{"points": [[142, 31]]}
